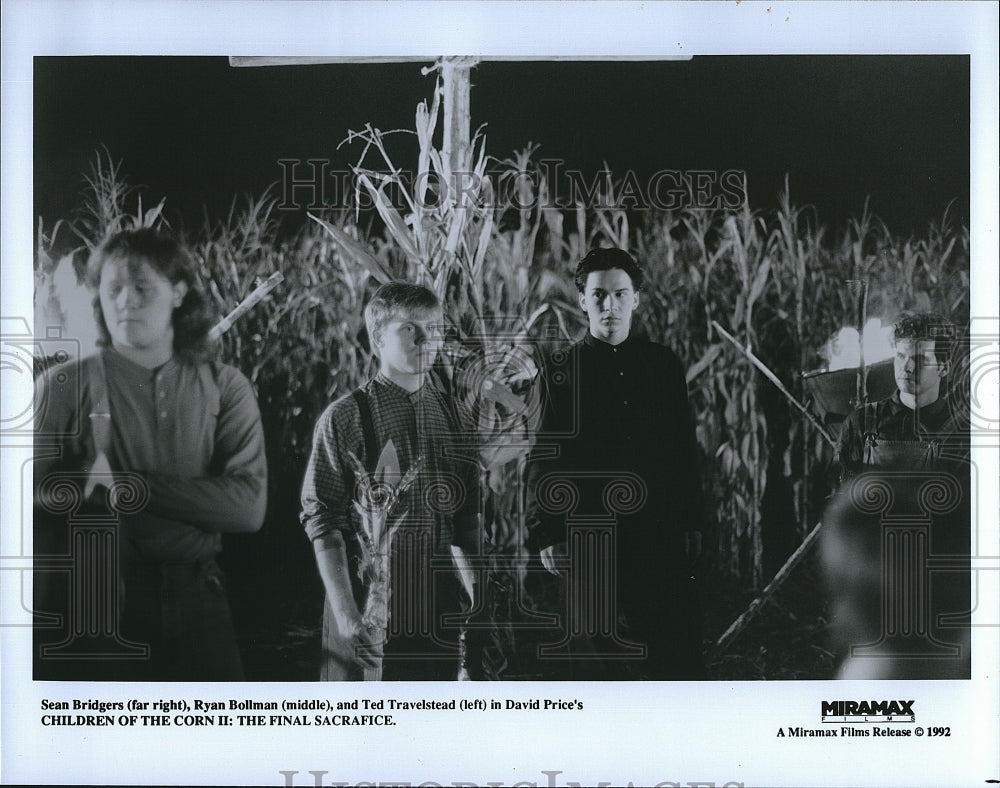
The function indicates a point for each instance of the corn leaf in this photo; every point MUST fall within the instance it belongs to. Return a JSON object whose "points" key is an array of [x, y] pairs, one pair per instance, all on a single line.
{"points": [[356, 250], [759, 282], [704, 362], [394, 222]]}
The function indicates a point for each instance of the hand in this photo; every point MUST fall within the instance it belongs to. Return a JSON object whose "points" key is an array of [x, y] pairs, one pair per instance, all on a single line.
{"points": [[466, 576], [552, 557], [470, 660], [356, 644], [351, 640]]}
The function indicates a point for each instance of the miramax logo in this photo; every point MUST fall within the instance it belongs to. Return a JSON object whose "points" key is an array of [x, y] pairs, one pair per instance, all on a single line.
{"points": [[868, 711]]}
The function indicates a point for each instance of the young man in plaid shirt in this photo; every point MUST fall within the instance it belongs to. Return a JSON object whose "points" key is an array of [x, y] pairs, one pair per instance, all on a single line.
{"points": [[431, 584]]}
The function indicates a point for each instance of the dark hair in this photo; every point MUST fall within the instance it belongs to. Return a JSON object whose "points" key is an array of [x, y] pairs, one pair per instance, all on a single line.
{"points": [[394, 299], [605, 260], [192, 320], [927, 326]]}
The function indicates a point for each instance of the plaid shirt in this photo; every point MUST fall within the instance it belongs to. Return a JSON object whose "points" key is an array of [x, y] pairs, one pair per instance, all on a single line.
{"points": [[445, 494]]}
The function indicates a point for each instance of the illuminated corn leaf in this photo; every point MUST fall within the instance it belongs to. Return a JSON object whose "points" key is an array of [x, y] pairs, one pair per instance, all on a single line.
{"points": [[393, 221], [356, 250]]}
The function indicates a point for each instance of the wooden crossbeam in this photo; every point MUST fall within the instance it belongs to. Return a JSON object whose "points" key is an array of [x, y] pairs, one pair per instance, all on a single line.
{"points": [[455, 73]]}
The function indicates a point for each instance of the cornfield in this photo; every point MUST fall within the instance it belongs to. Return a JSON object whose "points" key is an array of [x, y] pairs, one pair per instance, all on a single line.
{"points": [[501, 261]]}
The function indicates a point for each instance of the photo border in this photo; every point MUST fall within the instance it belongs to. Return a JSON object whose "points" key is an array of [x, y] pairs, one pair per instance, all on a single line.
{"points": [[709, 732]]}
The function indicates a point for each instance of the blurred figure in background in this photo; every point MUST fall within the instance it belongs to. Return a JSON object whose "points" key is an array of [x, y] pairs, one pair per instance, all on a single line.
{"points": [[894, 551], [64, 305]]}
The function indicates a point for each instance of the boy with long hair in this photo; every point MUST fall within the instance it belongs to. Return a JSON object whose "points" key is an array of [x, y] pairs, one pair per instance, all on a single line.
{"points": [[157, 439]]}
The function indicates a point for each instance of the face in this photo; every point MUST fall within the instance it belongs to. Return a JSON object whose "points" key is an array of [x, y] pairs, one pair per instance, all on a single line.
{"points": [[408, 345], [138, 305], [918, 371], [609, 300]]}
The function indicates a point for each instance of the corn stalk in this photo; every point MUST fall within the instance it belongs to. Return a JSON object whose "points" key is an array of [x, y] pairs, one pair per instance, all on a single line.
{"points": [[445, 224], [502, 270], [379, 493]]}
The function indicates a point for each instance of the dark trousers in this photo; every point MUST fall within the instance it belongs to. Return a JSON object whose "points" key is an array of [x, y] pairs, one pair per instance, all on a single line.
{"points": [[664, 617], [177, 613], [182, 611]]}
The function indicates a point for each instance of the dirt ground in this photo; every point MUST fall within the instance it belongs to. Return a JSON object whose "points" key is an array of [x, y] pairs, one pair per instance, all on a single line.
{"points": [[276, 598]]}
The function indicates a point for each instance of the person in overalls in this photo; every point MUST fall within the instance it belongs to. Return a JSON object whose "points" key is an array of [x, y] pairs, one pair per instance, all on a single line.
{"points": [[907, 430], [895, 550]]}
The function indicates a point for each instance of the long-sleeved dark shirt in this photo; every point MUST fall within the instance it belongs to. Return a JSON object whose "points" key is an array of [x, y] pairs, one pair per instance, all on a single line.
{"points": [[619, 410], [191, 431]]}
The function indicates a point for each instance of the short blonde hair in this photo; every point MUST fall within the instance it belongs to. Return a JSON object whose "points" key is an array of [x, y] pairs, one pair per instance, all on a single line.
{"points": [[397, 299]]}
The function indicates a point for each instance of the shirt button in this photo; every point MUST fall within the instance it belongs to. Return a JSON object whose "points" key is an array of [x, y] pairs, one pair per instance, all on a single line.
{"points": [[621, 374], [163, 394], [163, 414]]}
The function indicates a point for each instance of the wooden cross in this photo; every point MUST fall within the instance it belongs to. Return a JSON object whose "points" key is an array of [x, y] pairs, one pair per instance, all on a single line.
{"points": [[455, 73]]}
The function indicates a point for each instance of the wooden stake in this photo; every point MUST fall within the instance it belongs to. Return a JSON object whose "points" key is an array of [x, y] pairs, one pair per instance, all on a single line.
{"points": [[762, 367], [455, 73]]}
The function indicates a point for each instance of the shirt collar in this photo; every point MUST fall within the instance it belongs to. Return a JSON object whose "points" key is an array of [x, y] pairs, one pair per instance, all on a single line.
{"points": [[936, 407], [603, 347], [399, 391], [137, 370]]}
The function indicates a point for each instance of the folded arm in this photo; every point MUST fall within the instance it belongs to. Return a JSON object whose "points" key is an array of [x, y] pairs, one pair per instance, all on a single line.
{"points": [[233, 497]]}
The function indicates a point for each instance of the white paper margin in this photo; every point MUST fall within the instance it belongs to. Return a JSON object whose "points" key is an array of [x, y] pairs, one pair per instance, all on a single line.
{"points": [[713, 732]]}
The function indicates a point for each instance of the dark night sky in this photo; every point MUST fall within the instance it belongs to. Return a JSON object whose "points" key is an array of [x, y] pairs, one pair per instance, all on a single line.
{"points": [[199, 131]]}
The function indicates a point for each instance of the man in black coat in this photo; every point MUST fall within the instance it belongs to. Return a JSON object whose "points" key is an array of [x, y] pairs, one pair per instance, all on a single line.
{"points": [[614, 491]]}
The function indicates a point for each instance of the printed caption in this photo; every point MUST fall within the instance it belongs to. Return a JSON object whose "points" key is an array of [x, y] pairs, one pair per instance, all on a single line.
{"points": [[301, 712]]}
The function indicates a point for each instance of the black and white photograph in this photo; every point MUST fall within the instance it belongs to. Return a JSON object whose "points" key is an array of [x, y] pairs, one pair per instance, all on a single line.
{"points": [[392, 398]]}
